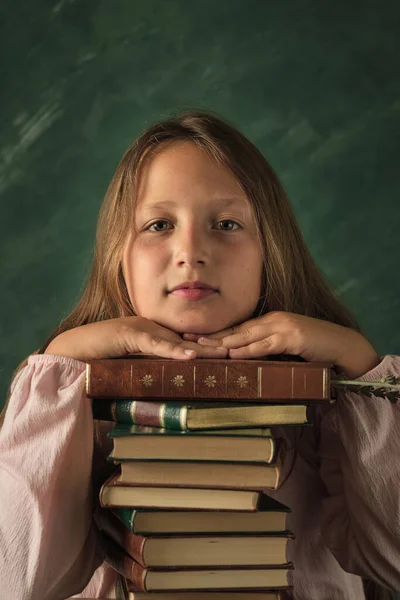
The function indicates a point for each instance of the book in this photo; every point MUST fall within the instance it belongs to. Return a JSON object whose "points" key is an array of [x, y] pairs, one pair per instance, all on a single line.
{"points": [[148, 579], [270, 517], [249, 595], [196, 550], [208, 379], [114, 493], [137, 442], [184, 417], [200, 474]]}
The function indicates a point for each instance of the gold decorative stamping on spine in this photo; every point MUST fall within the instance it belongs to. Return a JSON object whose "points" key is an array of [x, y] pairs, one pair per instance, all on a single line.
{"points": [[162, 416], [325, 382], [183, 418]]}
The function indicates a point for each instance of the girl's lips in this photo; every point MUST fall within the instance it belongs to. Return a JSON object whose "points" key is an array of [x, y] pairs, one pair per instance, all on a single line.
{"points": [[193, 293]]}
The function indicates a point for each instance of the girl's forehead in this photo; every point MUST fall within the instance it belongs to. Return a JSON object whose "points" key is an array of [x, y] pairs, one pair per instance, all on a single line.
{"points": [[182, 171], [182, 164]]}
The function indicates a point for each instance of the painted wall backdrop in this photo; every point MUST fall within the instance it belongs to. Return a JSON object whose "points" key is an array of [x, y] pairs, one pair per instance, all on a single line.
{"points": [[315, 85]]}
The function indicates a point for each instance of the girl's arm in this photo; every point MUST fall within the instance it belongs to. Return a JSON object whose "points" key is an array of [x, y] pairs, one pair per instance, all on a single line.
{"points": [[359, 453], [48, 544]]}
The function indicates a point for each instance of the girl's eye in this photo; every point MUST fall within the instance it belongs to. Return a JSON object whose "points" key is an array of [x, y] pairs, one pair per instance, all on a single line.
{"points": [[163, 225], [159, 226], [228, 225]]}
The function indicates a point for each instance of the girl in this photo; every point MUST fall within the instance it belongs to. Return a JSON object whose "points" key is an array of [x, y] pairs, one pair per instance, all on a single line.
{"points": [[199, 255]]}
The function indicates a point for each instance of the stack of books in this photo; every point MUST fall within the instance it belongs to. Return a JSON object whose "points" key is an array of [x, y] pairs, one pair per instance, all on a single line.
{"points": [[185, 514]]}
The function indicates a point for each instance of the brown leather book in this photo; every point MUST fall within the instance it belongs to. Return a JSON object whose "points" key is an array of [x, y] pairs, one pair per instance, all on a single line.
{"points": [[196, 550], [188, 578], [208, 379]]}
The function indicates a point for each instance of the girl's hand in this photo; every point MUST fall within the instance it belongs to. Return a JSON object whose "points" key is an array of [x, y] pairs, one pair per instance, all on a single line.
{"points": [[289, 333], [125, 336]]}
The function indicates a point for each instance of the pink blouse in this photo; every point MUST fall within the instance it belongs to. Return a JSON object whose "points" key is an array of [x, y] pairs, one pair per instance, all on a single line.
{"points": [[342, 484]]}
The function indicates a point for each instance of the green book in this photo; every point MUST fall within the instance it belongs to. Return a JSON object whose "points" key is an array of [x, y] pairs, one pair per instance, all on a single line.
{"points": [[182, 416], [270, 518]]}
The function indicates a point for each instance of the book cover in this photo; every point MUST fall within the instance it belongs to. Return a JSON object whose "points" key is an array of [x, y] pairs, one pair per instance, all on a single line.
{"points": [[207, 474], [208, 379], [115, 494], [202, 579], [125, 430], [136, 442], [270, 517], [197, 550]]}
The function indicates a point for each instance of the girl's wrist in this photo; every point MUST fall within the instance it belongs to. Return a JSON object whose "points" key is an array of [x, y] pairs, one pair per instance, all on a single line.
{"points": [[359, 363]]}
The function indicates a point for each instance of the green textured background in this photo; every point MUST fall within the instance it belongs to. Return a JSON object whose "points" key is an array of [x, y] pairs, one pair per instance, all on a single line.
{"points": [[314, 84]]}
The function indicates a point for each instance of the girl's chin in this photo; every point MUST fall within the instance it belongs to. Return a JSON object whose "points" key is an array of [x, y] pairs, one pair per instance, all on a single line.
{"points": [[199, 330], [196, 326]]}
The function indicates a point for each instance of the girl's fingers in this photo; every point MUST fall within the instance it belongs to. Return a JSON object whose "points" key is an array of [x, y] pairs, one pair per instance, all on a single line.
{"points": [[236, 340], [209, 352], [205, 341], [270, 345], [224, 333], [180, 350], [166, 349], [242, 328], [191, 337]]}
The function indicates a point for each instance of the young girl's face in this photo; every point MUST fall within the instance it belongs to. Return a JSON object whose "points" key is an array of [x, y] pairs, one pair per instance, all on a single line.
{"points": [[195, 263]]}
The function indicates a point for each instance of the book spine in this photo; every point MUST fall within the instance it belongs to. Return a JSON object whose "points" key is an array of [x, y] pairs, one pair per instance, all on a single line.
{"points": [[203, 379], [126, 516], [132, 543], [124, 564], [234, 595], [150, 414]]}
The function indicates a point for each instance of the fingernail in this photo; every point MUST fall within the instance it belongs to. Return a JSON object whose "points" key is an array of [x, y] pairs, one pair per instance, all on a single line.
{"points": [[189, 352]]}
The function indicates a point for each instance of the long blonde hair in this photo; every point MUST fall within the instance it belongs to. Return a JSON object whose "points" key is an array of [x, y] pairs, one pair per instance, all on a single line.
{"points": [[291, 280]]}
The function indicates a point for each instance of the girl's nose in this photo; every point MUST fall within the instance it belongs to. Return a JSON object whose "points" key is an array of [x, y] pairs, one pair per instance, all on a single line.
{"points": [[192, 248]]}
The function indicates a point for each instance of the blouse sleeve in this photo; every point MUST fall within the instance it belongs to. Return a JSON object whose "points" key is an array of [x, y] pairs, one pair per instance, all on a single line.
{"points": [[48, 545], [359, 452]]}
